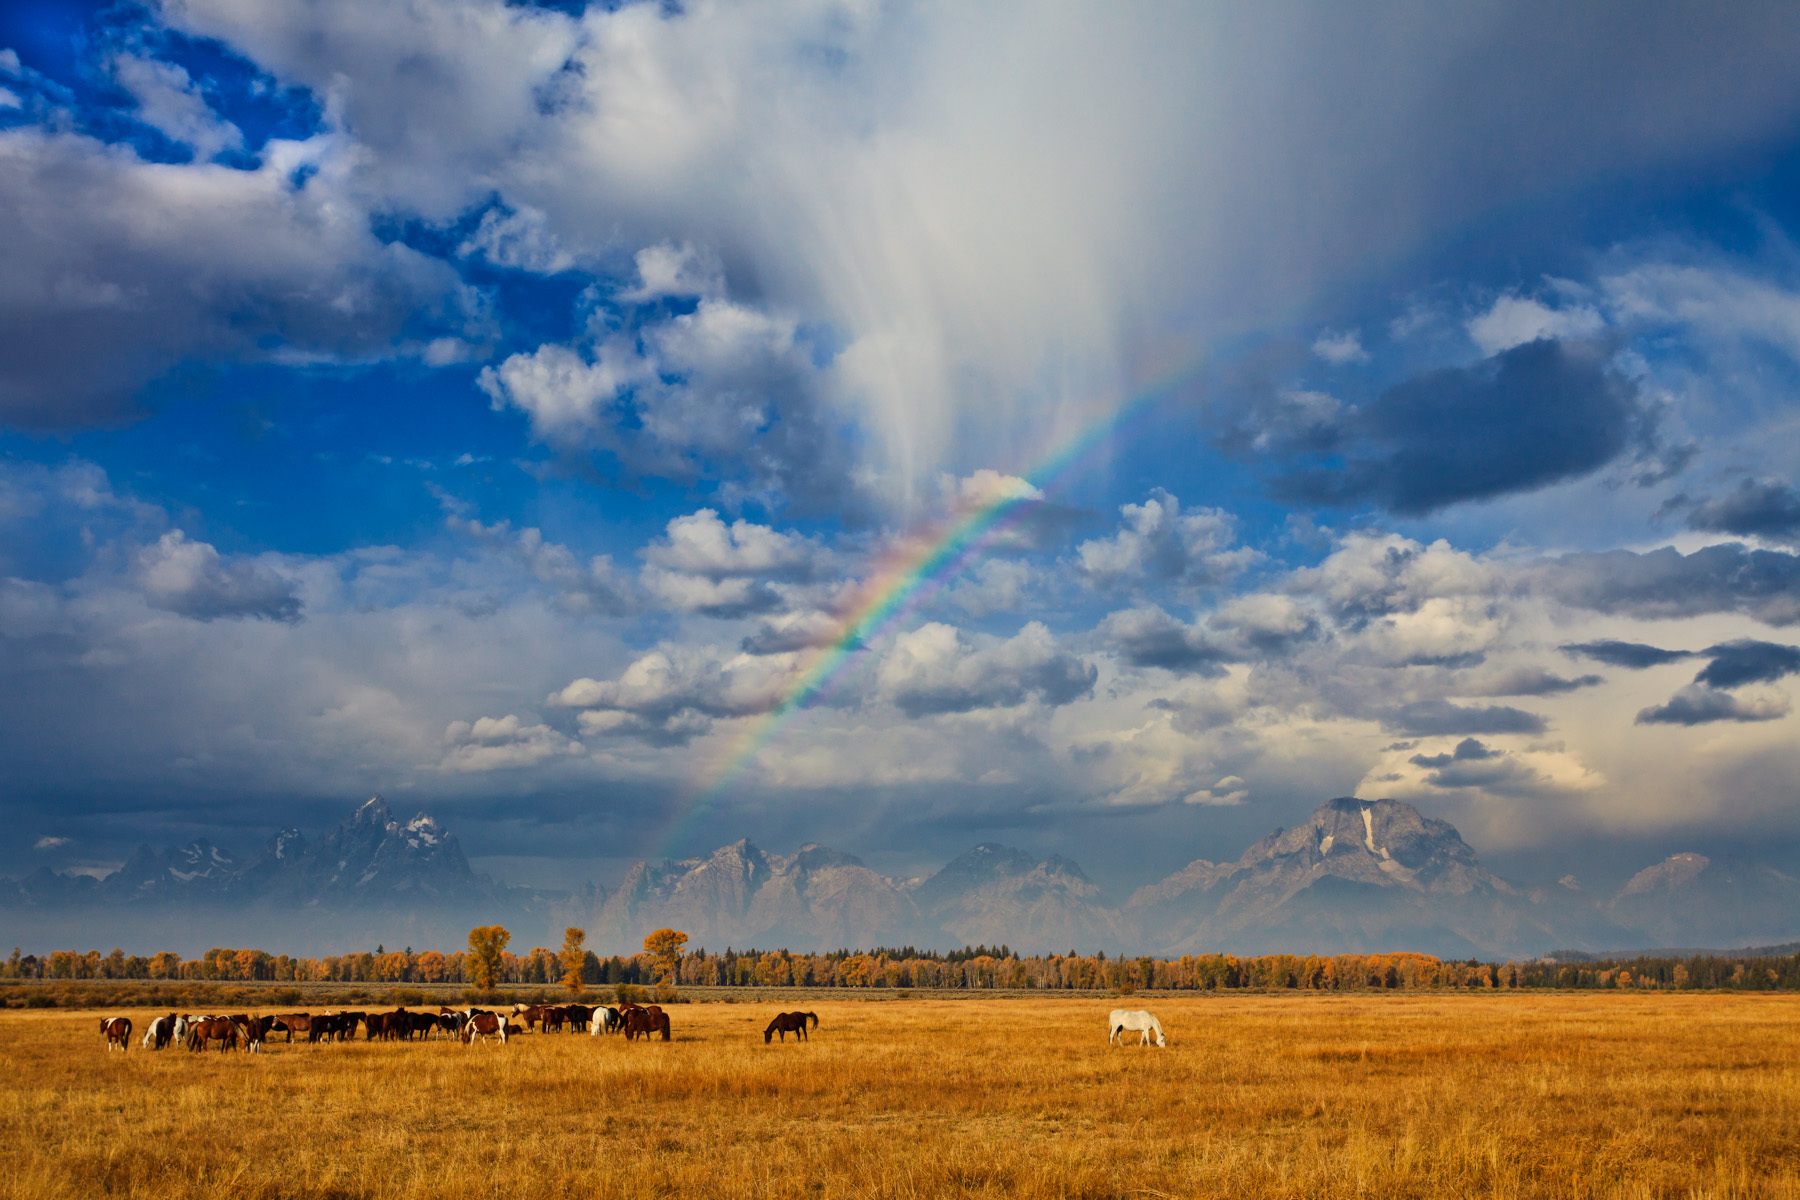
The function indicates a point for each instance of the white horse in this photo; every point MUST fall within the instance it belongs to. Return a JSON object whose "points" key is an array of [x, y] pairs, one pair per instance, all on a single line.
{"points": [[1125, 1021], [605, 1020]]}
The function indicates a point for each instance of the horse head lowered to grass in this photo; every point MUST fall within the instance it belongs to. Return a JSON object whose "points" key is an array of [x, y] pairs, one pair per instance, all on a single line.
{"points": [[794, 1023], [1123, 1021]]}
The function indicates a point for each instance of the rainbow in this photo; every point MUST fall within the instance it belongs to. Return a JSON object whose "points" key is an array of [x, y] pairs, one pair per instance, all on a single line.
{"points": [[909, 576]]}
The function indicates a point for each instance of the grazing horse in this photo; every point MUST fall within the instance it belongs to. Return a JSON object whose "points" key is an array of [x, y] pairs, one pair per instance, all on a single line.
{"points": [[254, 1029], [160, 1032], [484, 1026], [646, 1022], [451, 1022], [222, 1030], [786, 1023], [1125, 1021], [605, 1020], [554, 1017], [579, 1016], [117, 1031], [293, 1023], [333, 1026]]}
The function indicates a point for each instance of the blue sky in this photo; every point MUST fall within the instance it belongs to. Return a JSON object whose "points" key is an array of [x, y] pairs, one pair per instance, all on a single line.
{"points": [[499, 406]]}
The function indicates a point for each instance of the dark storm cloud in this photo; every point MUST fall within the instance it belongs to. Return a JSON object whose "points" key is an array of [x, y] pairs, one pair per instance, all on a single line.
{"points": [[1534, 681], [1633, 656], [1745, 661], [1150, 637], [1440, 718], [1697, 705], [1528, 417], [1729, 577], [1467, 750], [1758, 508]]}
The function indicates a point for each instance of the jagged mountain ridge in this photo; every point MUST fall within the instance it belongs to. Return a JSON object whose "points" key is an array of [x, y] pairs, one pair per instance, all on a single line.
{"points": [[819, 899], [1695, 900], [1358, 875], [369, 859]]}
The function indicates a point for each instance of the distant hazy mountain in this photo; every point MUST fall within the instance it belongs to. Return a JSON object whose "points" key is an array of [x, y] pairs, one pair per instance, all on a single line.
{"points": [[1357, 876], [816, 899], [1360, 875], [371, 878], [822, 900], [1693, 900], [994, 895]]}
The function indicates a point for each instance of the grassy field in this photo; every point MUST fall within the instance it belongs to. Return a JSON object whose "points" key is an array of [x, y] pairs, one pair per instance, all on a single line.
{"points": [[1256, 1096]]}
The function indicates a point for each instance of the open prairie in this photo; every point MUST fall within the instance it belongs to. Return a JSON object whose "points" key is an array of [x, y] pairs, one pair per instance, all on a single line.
{"points": [[1270, 1096]]}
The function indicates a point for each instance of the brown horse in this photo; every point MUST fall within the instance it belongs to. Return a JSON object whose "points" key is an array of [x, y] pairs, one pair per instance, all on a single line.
{"points": [[117, 1031], [222, 1030], [786, 1023], [293, 1023], [254, 1029], [646, 1022]]}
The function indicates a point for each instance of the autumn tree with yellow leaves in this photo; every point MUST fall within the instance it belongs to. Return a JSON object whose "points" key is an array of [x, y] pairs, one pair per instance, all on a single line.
{"points": [[486, 942], [572, 957], [664, 948]]}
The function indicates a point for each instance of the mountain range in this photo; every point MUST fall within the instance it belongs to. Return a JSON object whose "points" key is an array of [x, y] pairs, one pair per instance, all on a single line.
{"points": [[371, 878], [1357, 876]]}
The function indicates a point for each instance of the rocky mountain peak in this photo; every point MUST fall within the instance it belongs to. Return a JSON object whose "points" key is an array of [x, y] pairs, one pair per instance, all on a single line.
{"points": [[422, 831], [1672, 872], [373, 811]]}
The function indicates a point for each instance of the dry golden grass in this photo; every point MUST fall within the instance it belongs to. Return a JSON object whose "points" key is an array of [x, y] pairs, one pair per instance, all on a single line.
{"points": [[1264, 1096]]}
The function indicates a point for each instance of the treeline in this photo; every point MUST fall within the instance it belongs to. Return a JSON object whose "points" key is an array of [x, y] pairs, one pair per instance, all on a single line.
{"points": [[972, 967]]}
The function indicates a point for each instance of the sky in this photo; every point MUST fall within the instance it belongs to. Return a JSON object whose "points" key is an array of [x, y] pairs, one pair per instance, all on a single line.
{"points": [[1108, 430]]}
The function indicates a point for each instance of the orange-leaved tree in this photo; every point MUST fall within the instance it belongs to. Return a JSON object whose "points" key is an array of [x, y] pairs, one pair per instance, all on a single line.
{"points": [[664, 948], [485, 944], [572, 957]]}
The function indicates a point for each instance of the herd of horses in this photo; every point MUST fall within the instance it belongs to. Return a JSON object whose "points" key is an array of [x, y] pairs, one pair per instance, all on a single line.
{"points": [[471, 1025], [199, 1033], [467, 1025]]}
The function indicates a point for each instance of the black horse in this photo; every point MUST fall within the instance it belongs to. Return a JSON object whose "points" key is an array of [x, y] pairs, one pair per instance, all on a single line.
{"points": [[794, 1023]]}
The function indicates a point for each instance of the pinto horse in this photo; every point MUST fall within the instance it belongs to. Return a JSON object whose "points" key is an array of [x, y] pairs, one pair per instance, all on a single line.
{"points": [[117, 1031], [786, 1023], [160, 1031], [484, 1026]]}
